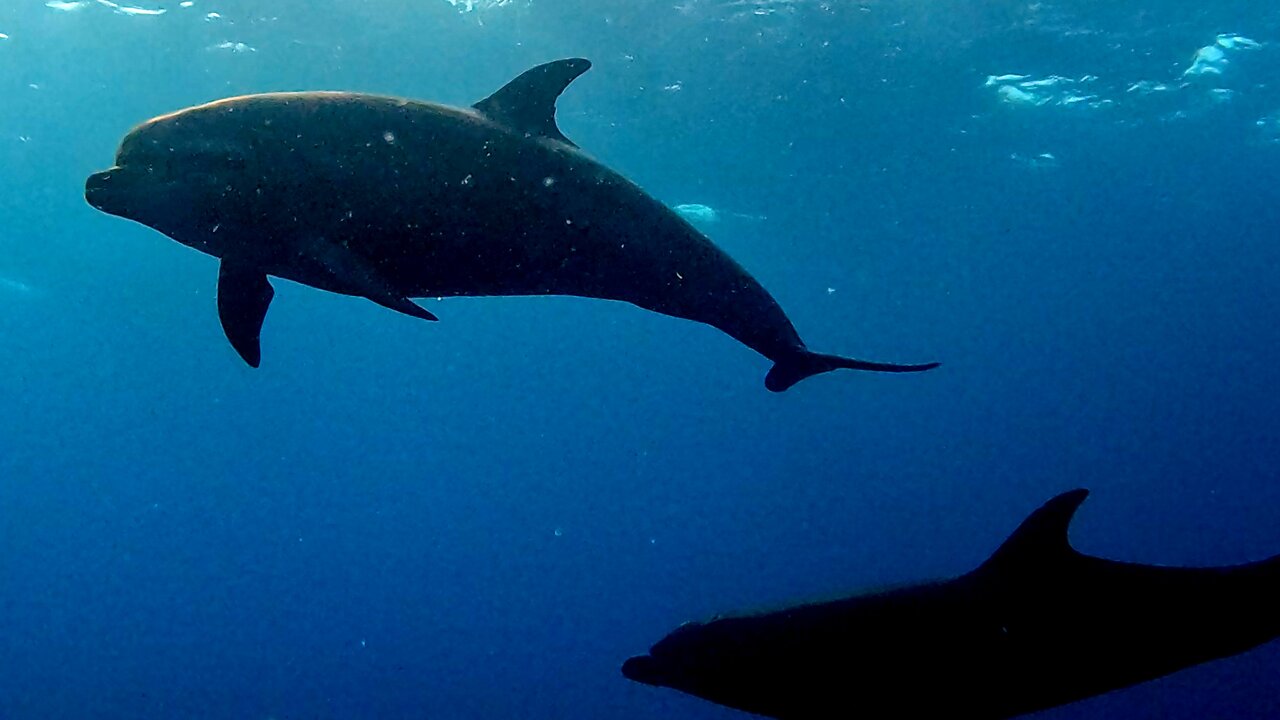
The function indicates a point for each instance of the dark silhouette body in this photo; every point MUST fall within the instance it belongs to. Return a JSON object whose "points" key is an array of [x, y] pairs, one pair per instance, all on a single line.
{"points": [[1036, 626], [391, 199]]}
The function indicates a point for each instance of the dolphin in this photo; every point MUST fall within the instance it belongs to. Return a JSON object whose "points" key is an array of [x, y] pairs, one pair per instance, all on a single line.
{"points": [[1036, 626], [390, 199]]}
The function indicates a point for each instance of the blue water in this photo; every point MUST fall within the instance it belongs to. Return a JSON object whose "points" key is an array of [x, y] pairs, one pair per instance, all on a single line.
{"points": [[482, 518]]}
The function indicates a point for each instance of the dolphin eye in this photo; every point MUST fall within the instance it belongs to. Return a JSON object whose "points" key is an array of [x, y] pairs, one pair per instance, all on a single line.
{"points": [[177, 164], [212, 161], [170, 161]]}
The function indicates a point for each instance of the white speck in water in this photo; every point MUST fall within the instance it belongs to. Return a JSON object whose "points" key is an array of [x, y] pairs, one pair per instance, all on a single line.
{"points": [[831, 291], [559, 532], [389, 137], [548, 181], [363, 643], [466, 181], [679, 276], [235, 47]]}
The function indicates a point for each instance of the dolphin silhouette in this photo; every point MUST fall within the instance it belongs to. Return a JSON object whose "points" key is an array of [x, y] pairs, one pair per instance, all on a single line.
{"points": [[1036, 626], [391, 199]]}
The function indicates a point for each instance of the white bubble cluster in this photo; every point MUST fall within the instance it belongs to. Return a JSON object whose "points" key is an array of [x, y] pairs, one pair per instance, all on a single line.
{"points": [[474, 5], [1208, 65]]}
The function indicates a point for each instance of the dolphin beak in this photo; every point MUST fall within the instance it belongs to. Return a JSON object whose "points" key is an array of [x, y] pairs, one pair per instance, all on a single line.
{"points": [[101, 188], [643, 669]]}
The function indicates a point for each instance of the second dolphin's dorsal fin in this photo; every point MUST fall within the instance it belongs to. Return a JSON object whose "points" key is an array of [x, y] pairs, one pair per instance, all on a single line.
{"points": [[1042, 537], [528, 103]]}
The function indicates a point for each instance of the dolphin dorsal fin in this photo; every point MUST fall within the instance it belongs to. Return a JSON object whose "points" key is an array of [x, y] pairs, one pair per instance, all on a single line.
{"points": [[528, 103], [1042, 537]]}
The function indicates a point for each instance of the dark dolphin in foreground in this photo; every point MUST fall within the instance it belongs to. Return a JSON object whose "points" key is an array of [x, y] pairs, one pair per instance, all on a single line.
{"points": [[1036, 626], [392, 199]]}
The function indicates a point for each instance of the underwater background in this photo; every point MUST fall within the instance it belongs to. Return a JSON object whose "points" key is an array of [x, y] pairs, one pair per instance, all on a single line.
{"points": [[1072, 205]]}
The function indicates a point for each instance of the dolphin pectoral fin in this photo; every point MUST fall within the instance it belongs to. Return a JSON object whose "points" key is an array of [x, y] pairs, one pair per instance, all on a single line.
{"points": [[406, 306], [244, 294], [789, 370], [363, 279], [528, 103]]}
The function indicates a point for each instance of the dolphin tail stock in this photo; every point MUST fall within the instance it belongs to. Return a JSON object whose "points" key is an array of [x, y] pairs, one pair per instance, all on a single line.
{"points": [[797, 366]]}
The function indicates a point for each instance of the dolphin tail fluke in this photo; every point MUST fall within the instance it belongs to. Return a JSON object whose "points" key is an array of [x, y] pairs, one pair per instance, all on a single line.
{"points": [[792, 369]]}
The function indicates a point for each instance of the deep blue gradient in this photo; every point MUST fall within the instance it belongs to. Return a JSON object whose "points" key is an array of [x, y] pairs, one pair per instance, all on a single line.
{"points": [[482, 518]]}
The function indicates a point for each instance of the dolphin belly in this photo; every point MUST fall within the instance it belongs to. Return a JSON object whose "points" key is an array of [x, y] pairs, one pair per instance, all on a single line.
{"points": [[483, 215]]}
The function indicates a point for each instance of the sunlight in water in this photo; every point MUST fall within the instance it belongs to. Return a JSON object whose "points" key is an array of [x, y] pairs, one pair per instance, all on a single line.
{"points": [[473, 5]]}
